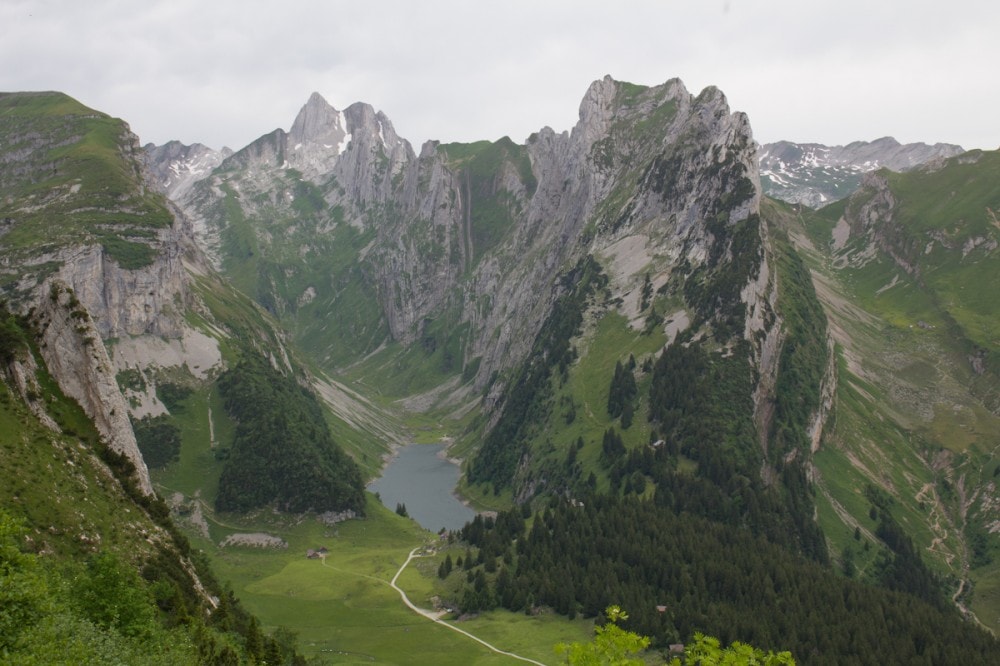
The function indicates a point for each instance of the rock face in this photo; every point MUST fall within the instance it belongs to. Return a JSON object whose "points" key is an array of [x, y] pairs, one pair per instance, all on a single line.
{"points": [[460, 247], [129, 302], [814, 175], [93, 253], [77, 358]]}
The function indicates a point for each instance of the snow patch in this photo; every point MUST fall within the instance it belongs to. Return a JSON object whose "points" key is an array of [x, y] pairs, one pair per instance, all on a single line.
{"points": [[342, 120]]}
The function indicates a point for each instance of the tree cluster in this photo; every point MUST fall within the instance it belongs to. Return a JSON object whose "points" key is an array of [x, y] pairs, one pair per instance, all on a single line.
{"points": [[702, 405], [159, 440], [803, 357], [282, 451], [678, 574], [621, 395], [13, 337]]}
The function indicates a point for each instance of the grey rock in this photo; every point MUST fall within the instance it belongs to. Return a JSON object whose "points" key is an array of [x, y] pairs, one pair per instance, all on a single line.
{"points": [[647, 164]]}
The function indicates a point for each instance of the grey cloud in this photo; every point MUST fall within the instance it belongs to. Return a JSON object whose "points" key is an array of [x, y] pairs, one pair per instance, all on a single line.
{"points": [[225, 72]]}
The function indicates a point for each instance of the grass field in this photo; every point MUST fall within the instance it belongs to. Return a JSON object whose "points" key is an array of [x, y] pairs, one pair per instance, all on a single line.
{"points": [[342, 608]]}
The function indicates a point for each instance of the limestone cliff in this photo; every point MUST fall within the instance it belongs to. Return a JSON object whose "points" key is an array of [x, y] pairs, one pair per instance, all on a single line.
{"points": [[93, 253], [460, 246], [77, 358]]}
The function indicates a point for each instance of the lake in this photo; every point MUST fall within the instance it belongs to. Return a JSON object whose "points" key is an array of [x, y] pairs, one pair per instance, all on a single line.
{"points": [[424, 481]]}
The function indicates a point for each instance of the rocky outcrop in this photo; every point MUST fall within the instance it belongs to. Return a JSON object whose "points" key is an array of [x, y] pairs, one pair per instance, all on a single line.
{"points": [[75, 355], [142, 301], [96, 255], [23, 375], [872, 212]]}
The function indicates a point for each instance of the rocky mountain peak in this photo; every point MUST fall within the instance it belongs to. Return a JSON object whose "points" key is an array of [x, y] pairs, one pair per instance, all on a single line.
{"points": [[607, 100], [597, 106], [318, 122], [364, 120]]}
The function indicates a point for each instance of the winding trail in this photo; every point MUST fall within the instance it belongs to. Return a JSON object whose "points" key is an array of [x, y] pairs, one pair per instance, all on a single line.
{"points": [[436, 617]]}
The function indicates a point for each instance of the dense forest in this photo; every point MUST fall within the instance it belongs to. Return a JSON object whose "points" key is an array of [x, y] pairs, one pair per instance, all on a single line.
{"points": [[283, 451], [701, 403], [677, 574]]}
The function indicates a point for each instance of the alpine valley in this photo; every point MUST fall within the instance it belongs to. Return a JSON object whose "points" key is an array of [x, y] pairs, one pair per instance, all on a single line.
{"points": [[724, 412]]}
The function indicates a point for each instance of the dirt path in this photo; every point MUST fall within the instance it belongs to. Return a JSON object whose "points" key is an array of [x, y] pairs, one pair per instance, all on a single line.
{"points": [[436, 616], [211, 423]]}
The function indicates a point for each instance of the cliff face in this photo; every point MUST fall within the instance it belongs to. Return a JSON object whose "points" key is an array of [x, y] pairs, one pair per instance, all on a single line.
{"points": [[129, 302], [92, 253], [460, 247], [76, 356]]}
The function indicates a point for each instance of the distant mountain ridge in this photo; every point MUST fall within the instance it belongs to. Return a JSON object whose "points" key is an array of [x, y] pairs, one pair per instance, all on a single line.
{"points": [[814, 174], [175, 166]]}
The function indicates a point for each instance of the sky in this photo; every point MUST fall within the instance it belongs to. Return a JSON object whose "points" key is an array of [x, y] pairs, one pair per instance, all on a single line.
{"points": [[224, 72]]}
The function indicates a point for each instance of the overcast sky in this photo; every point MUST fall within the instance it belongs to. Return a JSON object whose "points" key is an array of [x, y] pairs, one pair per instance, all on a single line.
{"points": [[223, 72]]}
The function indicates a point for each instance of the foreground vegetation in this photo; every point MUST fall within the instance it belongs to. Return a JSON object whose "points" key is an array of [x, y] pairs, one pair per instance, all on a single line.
{"points": [[92, 570]]}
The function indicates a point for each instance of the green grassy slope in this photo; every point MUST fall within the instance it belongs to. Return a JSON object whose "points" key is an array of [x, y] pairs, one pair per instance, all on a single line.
{"points": [[912, 417], [70, 179]]}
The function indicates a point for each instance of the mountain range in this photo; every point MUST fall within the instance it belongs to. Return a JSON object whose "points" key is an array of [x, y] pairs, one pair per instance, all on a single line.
{"points": [[624, 312], [815, 175]]}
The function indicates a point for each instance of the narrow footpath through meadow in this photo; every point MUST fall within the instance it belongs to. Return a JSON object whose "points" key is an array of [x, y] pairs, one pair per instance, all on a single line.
{"points": [[435, 616]]}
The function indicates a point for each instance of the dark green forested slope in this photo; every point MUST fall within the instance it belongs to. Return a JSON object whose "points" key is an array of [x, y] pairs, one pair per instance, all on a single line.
{"points": [[283, 452], [691, 521], [526, 400], [700, 404], [710, 578]]}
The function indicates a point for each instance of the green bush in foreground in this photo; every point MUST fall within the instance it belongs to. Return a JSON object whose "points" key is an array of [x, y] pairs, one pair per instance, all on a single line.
{"points": [[613, 646]]}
